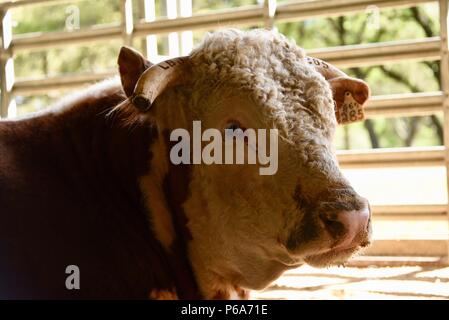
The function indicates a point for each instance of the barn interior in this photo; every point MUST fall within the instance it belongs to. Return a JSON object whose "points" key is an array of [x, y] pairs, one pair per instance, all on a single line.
{"points": [[398, 157]]}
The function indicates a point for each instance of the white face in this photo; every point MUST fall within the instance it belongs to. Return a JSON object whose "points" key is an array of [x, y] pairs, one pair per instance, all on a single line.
{"points": [[248, 228]]}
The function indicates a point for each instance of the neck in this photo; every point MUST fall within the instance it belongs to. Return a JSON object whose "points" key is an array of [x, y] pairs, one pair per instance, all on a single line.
{"points": [[169, 201], [165, 189]]}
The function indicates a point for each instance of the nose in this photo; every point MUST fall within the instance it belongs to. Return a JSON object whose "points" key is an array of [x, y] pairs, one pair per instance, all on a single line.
{"points": [[349, 228]]}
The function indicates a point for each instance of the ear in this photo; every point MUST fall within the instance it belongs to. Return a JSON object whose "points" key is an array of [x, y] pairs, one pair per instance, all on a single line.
{"points": [[131, 65], [350, 94]]}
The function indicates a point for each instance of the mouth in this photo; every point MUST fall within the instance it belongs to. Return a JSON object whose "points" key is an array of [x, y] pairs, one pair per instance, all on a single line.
{"points": [[337, 256], [321, 254]]}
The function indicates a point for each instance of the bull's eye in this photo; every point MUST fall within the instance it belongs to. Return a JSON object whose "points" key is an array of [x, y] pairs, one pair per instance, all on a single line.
{"points": [[234, 129], [233, 125]]}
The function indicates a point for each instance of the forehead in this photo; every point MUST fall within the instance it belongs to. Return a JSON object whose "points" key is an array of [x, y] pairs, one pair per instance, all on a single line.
{"points": [[273, 72]]}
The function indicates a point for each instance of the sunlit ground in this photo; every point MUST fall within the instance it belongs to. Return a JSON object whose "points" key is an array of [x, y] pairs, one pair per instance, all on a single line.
{"points": [[384, 187], [413, 282]]}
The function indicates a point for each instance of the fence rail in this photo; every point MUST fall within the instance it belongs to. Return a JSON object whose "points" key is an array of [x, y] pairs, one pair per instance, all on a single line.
{"points": [[392, 157], [395, 105], [43, 85], [37, 40], [411, 211], [405, 105], [435, 48]]}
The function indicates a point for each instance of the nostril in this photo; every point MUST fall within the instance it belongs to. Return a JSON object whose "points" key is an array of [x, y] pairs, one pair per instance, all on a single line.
{"points": [[332, 224], [348, 228]]}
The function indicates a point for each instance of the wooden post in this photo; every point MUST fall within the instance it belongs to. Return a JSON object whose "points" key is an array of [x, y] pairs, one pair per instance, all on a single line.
{"points": [[269, 13], [151, 39], [127, 22], [6, 63], [141, 17], [173, 37], [185, 10], [444, 66]]}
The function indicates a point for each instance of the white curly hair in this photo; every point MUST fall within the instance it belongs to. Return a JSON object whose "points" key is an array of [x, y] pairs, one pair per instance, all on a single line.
{"points": [[273, 71]]}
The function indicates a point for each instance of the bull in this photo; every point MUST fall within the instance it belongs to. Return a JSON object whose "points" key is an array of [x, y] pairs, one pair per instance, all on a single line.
{"points": [[89, 182]]}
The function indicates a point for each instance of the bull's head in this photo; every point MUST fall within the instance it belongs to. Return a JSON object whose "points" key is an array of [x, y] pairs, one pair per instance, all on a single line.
{"points": [[247, 228]]}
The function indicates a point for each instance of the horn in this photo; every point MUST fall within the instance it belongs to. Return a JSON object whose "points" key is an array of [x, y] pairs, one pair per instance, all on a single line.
{"points": [[327, 70], [158, 78]]}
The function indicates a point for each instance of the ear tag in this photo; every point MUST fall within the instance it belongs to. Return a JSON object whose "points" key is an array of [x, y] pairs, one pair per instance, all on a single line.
{"points": [[349, 111]]}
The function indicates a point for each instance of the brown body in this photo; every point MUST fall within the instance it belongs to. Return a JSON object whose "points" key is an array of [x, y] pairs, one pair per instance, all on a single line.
{"points": [[69, 194]]}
